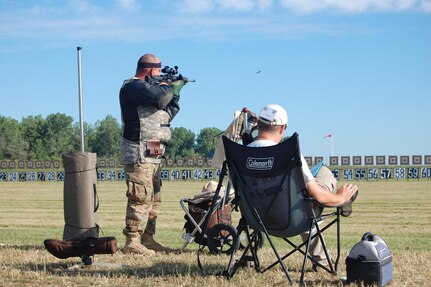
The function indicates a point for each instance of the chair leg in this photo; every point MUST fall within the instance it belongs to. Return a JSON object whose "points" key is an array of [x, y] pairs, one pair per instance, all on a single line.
{"points": [[230, 272], [325, 249], [280, 260], [251, 246], [333, 267], [337, 260], [307, 247]]}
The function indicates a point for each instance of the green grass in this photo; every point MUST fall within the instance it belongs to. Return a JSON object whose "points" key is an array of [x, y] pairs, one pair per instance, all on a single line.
{"points": [[398, 211]]}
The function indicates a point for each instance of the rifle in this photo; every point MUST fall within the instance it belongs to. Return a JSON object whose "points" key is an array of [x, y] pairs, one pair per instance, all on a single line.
{"points": [[169, 75]]}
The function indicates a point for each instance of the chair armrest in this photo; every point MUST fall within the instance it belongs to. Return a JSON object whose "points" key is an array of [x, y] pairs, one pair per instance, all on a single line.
{"points": [[352, 199], [347, 203], [344, 209]]}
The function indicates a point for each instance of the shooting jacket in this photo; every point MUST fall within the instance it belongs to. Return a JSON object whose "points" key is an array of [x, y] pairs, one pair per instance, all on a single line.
{"points": [[146, 111]]}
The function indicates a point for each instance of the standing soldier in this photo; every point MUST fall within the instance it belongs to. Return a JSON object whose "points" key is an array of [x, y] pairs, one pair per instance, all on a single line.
{"points": [[147, 108]]}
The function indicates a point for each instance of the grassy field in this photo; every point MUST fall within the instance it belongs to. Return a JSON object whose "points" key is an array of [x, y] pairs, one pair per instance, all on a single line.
{"points": [[400, 212]]}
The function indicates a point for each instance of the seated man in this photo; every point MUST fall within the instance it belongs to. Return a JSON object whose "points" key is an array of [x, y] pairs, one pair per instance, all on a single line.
{"points": [[272, 123]]}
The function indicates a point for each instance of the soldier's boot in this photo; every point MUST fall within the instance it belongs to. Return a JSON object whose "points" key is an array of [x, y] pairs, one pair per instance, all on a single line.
{"points": [[148, 241], [133, 245]]}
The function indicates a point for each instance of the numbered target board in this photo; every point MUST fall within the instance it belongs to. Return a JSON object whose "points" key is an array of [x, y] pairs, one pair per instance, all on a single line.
{"points": [[385, 173], [181, 174]]}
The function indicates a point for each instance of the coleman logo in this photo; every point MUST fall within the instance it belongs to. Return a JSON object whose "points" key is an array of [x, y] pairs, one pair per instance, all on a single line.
{"points": [[260, 163]]}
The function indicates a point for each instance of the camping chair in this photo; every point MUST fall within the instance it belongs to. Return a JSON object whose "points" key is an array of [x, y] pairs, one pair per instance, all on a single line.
{"points": [[271, 193]]}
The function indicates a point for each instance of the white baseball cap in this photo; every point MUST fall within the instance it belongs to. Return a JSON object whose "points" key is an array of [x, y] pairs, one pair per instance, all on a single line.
{"points": [[273, 115]]}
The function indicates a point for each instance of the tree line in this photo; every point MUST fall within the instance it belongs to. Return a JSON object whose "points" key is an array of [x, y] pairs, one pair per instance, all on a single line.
{"points": [[38, 138]]}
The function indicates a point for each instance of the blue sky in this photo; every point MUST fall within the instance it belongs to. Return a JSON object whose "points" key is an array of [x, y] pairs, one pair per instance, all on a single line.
{"points": [[358, 69]]}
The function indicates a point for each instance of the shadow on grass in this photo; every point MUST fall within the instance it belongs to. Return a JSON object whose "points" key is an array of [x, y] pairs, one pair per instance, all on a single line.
{"points": [[158, 269], [168, 265], [26, 247]]}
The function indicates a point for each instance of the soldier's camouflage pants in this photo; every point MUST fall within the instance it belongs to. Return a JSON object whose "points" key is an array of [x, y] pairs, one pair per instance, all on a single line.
{"points": [[143, 197]]}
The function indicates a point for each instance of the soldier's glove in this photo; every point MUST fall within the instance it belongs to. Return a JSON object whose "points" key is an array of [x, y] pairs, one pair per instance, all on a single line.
{"points": [[177, 86]]}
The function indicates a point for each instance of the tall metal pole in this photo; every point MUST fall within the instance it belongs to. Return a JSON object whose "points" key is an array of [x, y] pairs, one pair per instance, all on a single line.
{"points": [[81, 117]]}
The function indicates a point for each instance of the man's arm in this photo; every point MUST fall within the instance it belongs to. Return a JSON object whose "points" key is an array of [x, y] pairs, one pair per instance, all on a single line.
{"points": [[173, 107], [141, 92]]}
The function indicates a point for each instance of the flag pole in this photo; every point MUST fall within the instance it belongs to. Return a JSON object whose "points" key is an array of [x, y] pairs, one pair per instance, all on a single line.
{"points": [[331, 136], [81, 120]]}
